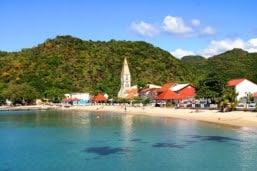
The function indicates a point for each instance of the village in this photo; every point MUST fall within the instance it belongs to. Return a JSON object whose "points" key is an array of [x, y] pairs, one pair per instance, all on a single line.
{"points": [[178, 95]]}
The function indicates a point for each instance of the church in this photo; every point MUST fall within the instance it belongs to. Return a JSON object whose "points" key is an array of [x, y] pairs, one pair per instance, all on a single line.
{"points": [[126, 90]]}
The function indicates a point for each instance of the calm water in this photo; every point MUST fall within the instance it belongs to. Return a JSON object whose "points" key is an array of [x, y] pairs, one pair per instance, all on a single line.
{"points": [[58, 140]]}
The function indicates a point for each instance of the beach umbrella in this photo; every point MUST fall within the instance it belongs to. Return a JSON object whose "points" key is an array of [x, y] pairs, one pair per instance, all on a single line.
{"points": [[99, 98]]}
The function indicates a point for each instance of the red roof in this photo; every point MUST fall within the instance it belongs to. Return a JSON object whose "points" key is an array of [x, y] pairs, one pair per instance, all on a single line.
{"points": [[235, 82], [99, 98], [166, 87], [168, 95]]}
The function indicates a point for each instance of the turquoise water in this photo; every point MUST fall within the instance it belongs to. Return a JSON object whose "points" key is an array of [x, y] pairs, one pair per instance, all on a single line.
{"points": [[61, 140]]}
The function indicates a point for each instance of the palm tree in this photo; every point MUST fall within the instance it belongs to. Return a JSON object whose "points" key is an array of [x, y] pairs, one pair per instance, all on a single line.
{"points": [[228, 101]]}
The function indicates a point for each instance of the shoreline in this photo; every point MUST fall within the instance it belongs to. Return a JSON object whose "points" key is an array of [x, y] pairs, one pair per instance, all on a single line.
{"points": [[234, 118]]}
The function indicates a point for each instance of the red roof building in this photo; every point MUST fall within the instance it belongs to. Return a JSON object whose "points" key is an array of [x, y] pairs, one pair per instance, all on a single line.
{"points": [[234, 82], [168, 95], [243, 87], [186, 90], [166, 87]]}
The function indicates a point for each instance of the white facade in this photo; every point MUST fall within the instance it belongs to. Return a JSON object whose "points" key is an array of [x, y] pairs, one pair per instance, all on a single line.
{"points": [[245, 88], [82, 96]]}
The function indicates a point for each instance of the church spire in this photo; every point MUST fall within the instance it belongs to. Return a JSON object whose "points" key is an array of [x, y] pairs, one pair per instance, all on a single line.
{"points": [[125, 68], [125, 79]]}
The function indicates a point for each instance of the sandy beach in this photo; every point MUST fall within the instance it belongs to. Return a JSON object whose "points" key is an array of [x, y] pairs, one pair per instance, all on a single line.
{"points": [[234, 118]]}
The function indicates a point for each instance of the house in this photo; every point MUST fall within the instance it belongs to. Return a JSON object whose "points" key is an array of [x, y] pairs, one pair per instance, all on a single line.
{"points": [[187, 91], [243, 87], [77, 98], [171, 92]]}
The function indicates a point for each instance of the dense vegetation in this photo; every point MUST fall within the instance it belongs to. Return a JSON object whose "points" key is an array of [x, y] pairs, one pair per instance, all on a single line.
{"points": [[67, 64], [232, 64]]}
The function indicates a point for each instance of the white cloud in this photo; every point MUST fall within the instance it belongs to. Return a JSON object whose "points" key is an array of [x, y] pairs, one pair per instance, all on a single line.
{"points": [[217, 47], [175, 25], [253, 42], [196, 22], [144, 29], [207, 31], [179, 53]]}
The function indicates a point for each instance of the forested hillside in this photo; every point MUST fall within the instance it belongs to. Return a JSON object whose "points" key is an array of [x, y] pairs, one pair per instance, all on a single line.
{"points": [[232, 64], [67, 64]]}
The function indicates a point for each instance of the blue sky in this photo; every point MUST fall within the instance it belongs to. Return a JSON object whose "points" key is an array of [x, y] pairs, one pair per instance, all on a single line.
{"points": [[182, 27]]}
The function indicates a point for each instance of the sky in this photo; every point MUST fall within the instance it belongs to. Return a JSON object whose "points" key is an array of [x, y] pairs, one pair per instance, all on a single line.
{"points": [[181, 27]]}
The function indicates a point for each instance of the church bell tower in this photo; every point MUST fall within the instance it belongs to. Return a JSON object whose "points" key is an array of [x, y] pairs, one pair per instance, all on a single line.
{"points": [[125, 79]]}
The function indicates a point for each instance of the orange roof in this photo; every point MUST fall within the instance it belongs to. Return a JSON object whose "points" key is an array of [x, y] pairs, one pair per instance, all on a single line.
{"points": [[168, 95], [166, 87], [131, 93], [235, 82], [99, 98]]}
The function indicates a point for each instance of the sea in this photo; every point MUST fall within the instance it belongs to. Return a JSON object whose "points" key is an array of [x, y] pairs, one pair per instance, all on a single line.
{"points": [[98, 141]]}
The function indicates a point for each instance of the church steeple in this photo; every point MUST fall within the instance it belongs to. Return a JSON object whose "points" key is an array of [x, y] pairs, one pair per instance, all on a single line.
{"points": [[125, 79], [125, 75]]}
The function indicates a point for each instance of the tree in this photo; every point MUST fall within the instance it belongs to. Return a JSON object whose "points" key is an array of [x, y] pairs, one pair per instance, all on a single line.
{"points": [[211, 87], [228, 101], [21, 93]]}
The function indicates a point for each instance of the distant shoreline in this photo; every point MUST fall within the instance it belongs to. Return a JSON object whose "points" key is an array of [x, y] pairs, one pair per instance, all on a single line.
{"points": [[234, 118]]}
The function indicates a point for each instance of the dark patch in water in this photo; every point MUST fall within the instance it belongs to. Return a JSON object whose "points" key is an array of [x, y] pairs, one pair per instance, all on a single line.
{"points": [[216, 138], [170, 145], [136, 140], [105, 150]]}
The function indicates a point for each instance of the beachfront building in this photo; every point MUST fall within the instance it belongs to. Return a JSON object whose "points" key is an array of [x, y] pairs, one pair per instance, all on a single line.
{"points": [[150, 91], [77, 99], [187, 91], [170, 92], [243, 87], [126, 90], [184, 91]]}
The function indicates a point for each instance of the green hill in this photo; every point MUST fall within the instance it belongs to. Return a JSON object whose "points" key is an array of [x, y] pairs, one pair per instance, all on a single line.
{"points": [[232, 64], [67, 64]]}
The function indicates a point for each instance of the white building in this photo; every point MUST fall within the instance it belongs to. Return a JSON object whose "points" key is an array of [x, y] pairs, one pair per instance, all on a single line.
{"points": [[243, 87], [77, 98]]}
